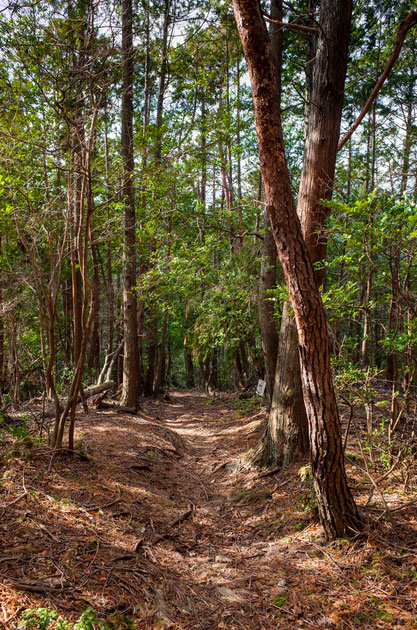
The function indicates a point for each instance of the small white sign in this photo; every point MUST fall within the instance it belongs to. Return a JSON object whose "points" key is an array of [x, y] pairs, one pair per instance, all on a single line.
{"points": [[261, 387]]}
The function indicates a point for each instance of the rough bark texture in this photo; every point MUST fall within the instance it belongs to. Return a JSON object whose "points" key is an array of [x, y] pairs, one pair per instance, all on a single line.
{"points": [[337, 510], [268, 276], [285, 437], [131, 364], [323, 131], [267, 324], [286, 434]]}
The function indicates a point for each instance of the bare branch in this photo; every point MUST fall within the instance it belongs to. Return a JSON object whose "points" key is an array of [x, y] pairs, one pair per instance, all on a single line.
{"points": [[403, 29], [292, 27]]}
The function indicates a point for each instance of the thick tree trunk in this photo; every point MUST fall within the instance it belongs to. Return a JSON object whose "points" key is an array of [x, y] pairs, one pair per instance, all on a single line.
{"points": [[267, 324], [131, 365], [287, 421], [337, 509], [268, 276], [286, 434]]}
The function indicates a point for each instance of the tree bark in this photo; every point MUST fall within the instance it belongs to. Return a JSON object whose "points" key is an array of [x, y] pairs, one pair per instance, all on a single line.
{"points": [[189, 367], [286, 433], [267, 324], [93, 362], [131, 364], [337, 510], [268, 276], [109, 271]]}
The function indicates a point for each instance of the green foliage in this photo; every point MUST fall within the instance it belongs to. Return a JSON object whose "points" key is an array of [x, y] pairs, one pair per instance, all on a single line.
{"points": [[19, 430], [22, 448], [194, 266], [48, 619], [280, 600], [89, 621], [42, 619]]}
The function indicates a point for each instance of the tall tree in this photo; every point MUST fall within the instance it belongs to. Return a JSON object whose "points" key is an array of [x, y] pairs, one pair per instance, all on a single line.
{"points": [[268, 275], [131, 361], [337, 509], [286, 433]]}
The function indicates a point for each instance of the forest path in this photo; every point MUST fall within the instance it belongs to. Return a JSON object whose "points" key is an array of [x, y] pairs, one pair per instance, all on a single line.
{"points": [[180, 459], [161, 525]]}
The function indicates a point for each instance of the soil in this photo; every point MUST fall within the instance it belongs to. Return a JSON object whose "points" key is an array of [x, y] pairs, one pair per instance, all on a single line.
{"points": [[156, 523]]}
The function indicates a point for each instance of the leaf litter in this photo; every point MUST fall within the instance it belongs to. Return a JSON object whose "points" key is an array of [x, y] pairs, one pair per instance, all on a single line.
{"points": [[159, 523]]}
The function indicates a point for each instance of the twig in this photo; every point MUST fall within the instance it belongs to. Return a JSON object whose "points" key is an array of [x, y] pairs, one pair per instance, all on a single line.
{"points": [[21, 496], [351, 412], [371, 479], [219, 467], [402, 507], [106, 505], [393, 467], [177, 521], [269, 473], [182, 518], [35, 587]]}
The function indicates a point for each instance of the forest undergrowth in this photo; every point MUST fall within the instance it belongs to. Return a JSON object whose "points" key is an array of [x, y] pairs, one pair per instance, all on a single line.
{"points": [[156, 523]]}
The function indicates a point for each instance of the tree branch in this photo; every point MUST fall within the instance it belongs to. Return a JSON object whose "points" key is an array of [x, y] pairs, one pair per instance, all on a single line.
{"points": [[292, 27], [403, 29]]}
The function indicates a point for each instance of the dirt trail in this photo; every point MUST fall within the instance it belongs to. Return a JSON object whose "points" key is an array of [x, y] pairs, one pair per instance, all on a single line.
{"points": [[196, 526], [157, 522]]}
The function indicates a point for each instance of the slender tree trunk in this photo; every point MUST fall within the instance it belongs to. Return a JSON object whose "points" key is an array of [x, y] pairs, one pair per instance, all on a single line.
{"points": [[152, 334], [367, 343], [131, 365], [76, 295], [337, 509], [408, 140], [160, 357], [67, 344], [239, 370], [93, 362], [109, 270], [1, 336], [152, 327], [14, 356], [189, 367], [286, 434]]}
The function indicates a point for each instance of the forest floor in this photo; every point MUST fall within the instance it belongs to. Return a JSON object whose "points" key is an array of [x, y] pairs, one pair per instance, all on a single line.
{"points": [[155, 523]]}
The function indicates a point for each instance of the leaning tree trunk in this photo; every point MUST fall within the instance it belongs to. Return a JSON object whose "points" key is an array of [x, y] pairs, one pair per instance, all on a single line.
{"points": [[285, 437], [337, 509]]}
